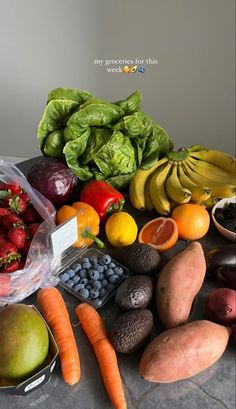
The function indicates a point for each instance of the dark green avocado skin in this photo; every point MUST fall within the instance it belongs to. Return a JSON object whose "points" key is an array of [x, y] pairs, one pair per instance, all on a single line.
{"points": [[135, 292], [139, 258], [131, 330]]}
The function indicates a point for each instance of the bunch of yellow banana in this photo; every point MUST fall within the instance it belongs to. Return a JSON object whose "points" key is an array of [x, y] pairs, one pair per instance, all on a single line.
{"points": [[195, 175]]}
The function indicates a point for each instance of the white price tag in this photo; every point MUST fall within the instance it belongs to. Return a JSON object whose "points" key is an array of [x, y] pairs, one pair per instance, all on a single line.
{"points": [[64, 236]]}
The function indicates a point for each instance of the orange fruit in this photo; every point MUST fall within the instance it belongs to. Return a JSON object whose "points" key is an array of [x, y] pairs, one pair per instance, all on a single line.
{"points": [[193, 221], [160, 233]]}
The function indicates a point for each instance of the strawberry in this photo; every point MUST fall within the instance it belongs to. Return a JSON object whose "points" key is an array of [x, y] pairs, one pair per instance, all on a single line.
{"points": [[10, 267], [17, 236], [17, 204], [8, 252], [33, 228], [2, 239], [10, 188], [25, 197], [21, 264], [6, 201], [4, 212], [26, 247], [37, 215], [5, 284], [29, 216], [11, 220]]}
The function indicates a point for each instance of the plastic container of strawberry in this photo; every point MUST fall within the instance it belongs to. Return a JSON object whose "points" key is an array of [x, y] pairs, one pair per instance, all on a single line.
{"points": [[17, 285]]}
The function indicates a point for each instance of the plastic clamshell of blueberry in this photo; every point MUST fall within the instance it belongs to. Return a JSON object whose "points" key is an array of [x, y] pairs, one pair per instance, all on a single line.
{"points": [[93, 278]]}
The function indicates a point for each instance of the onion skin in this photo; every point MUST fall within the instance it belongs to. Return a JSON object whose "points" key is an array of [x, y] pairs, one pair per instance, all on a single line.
{"points": [[226, 276], [222, 256], [221, 306]]}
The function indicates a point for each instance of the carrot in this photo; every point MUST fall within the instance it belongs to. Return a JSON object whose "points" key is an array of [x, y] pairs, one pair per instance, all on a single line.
{"points": [[56, 315], [94, 327]]}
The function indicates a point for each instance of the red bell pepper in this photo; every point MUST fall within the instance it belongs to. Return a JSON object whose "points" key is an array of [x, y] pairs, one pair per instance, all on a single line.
{"points": [[103, 197]]}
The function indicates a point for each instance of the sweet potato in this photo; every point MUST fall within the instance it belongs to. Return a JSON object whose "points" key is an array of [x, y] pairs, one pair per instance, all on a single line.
{"points": [[178, 283], [182, 352]]}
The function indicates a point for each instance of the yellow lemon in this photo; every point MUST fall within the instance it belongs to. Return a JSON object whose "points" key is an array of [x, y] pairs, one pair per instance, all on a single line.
{"points": [[121, 229]]}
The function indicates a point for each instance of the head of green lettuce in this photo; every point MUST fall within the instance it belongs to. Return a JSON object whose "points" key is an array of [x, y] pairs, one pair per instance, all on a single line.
{"points": [[99, 139]]}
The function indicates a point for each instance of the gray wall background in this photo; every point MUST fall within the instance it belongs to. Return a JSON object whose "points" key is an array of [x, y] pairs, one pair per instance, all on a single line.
{"points": [[50, 43]]}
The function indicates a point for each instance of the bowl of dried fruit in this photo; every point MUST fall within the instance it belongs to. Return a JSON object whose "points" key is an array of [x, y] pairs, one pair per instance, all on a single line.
{"points": [[224, 217]]}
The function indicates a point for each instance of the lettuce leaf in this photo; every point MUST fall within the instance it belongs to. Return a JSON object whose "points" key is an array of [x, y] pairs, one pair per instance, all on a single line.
{"points": [[55, 116], [94, 114], [116, 156], [72, 151], [73, 94], [54, 144], [131, 104], [136, 125], [157, 143]]}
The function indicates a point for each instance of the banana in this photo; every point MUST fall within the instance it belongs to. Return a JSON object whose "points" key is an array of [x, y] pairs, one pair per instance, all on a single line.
{"points": [[157, 189], [137, 184], [148, 200], [196, 148], [217, 189], [221, 159], [209, 203], [198, 194], [210, 171], [175, 191]]}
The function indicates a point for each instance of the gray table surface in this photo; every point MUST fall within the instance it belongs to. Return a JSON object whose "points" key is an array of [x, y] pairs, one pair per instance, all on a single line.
{"points": [[214, 388]]}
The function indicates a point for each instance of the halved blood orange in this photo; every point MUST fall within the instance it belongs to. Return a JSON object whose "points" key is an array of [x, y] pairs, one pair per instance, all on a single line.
{"points": [[160, 233]]}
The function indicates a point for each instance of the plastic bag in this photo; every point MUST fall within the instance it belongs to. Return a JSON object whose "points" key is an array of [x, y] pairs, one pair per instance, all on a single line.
{"points": [[39, 267]]}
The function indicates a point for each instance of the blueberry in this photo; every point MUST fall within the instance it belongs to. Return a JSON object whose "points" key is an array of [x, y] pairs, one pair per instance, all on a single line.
{"points": [[85, 260], [94, 274], [101, 276], [83, 273], [84, 281], [114, 279], [110, 287], [104, 283], [64, 277], [109, 272], [106, 259], [99, 268], [70, 272], [118, 270], [97, 284], [111, 265], [105, 268], [76, 267], [102, 292], [76, 279], [78, 287], [93, 260], [70, 283], [94, 293], [87, 265], [89, 287], [84, 293]]}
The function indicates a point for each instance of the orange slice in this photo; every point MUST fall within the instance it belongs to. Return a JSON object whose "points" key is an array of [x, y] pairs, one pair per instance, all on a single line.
{"points": [[160, 233]]}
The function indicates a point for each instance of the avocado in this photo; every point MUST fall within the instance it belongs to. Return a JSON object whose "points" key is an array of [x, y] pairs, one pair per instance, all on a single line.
{"points": [[131, 330], [24, 341], [140, 258], [135, 292]]}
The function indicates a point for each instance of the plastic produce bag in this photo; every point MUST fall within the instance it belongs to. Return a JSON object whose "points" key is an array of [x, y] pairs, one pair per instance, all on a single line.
{"points": [[37, 272]]}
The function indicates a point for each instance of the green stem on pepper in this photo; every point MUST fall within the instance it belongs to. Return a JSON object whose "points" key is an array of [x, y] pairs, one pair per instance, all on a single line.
{"points": [[85, 234]]}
